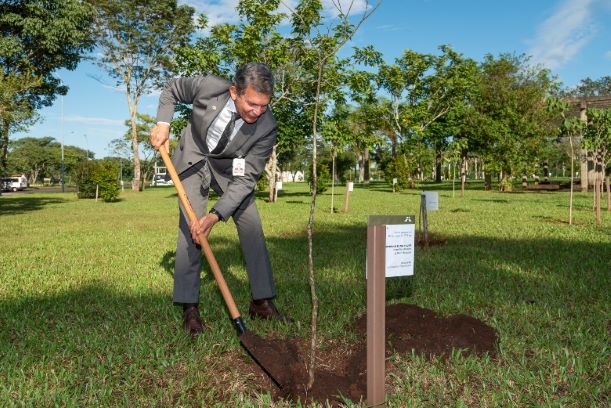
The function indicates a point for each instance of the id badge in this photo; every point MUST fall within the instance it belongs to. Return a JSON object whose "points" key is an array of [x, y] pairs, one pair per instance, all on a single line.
{"points": [[238, 167]]}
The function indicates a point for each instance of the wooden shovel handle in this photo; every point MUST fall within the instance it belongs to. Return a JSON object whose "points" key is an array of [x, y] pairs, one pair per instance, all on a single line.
{"points": [[216, 270]]}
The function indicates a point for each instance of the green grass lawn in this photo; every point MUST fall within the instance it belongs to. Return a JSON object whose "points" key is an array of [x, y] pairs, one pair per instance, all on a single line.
{"points": [[86, 317]]}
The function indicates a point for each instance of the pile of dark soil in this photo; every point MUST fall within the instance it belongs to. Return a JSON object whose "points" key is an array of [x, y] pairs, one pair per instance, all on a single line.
{"points": [[341, 369]]}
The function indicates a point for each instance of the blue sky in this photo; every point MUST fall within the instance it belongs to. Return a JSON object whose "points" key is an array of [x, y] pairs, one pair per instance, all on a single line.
{"points": [[570, 37]]}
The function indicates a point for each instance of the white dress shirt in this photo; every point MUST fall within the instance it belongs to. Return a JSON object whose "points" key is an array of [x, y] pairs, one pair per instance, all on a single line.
{"points": [[215, 131]]}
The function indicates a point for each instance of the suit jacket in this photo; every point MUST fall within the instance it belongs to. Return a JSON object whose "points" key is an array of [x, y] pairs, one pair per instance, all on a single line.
{"points": [[253, 142]]}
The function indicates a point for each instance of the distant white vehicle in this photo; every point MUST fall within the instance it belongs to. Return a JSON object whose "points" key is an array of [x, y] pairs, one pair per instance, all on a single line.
{"points": [[15, 183], [162, 180]]}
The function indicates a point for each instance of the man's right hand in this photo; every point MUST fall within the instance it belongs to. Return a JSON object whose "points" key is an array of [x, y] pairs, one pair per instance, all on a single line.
{"points": [[160, 135]]}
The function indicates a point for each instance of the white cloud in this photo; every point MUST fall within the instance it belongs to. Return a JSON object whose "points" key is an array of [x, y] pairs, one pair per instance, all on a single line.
{"points": [[608, 54], [218, 12], [88, 120], [561, 36], [390, 28]]}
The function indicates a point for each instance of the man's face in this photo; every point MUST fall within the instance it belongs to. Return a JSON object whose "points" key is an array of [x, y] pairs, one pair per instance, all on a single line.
{"points": [[251, 104]]}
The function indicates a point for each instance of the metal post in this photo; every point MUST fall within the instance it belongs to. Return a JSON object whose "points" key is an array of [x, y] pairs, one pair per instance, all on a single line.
{"points": [[62, 130]]}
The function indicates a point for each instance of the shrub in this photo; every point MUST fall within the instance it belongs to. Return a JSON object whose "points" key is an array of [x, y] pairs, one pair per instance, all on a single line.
{"points": [[400, 168], [323, 176], [97, 173], [263, 183]]}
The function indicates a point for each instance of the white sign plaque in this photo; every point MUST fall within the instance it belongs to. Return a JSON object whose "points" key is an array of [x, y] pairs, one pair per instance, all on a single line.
{"points": [[350, 186], [399, 237], [432, 200], [400, 250]]}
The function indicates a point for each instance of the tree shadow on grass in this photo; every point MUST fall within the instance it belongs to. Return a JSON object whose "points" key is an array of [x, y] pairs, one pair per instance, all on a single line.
{"points": [[492, 273], [492, 200], [167, 262], [25, 204]]}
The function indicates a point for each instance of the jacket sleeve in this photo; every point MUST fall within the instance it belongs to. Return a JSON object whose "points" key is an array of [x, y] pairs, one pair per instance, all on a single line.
{"points": [[240, 187], [183, 90]]}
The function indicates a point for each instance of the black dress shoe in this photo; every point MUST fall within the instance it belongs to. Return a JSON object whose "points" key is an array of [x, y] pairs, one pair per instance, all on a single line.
{"points": [[266, 309], [192, 323]]}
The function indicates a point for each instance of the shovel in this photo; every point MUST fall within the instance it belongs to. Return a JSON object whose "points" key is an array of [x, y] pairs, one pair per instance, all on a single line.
{"points": [[264, 353]]}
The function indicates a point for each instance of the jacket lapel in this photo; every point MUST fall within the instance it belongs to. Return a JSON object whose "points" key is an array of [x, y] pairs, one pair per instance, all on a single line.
{"points": [[246, 131]]}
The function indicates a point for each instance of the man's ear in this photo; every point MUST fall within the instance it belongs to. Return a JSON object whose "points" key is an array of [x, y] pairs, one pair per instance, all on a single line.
{"points": [[233, 92]]}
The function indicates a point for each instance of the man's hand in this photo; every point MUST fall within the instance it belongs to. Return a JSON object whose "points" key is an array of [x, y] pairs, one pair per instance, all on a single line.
{"points": [[160, 135], [203, 226]]}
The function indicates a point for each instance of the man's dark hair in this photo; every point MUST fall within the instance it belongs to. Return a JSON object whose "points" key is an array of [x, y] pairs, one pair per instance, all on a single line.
{"points": [[256, 75]]}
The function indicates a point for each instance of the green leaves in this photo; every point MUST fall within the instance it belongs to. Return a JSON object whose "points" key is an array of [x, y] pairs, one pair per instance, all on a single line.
{"points": [[138, 39], [38, 38], [97, 178]]}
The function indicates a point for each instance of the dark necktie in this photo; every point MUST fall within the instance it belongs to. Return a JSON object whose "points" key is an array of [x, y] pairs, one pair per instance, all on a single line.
{"points": [[226, 134]]}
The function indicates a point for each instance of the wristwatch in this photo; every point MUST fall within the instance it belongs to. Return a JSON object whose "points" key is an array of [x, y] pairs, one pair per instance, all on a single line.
{"points": [[213, 211]]}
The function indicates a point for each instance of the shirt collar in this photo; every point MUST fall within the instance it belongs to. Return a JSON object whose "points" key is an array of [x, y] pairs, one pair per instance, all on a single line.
{"points": [[231, 105]]}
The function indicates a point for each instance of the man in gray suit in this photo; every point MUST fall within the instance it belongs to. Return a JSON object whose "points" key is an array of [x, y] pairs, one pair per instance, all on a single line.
{"points": [[225, 146]]}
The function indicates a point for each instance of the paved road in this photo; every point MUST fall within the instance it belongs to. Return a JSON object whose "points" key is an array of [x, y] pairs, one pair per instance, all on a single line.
{"points": [[45, 189]]}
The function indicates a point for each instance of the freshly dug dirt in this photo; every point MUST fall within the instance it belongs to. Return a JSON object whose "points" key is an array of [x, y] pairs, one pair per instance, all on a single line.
{"points": [[341, 368], [410, 327]]}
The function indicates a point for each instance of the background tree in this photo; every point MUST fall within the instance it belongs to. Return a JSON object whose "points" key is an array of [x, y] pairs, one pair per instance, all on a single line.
{"points": [[40, 158], [571, 127], [403, 81], [34, 156], [368, 132], [336, 133], [144, 124], [449, 87], [589, 87], [597, 139], [37, 39], [514, 120], [454, 153], [121, 151], [138, 40]]}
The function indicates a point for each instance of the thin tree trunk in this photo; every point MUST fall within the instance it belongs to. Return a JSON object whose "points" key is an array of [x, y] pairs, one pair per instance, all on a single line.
{"points": [[310, 229], [133, 110], [366, 164], [332, 180], [572, 175], [608, 195], [424, 220], [453, 178], [362, 168], [273, 164], [463, 177], [597, 187], [438, 169], [599, 183], [4, 158]]}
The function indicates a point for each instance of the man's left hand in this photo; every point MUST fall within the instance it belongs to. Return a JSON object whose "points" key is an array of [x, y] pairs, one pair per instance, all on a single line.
{"points": [[203, 226]]}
